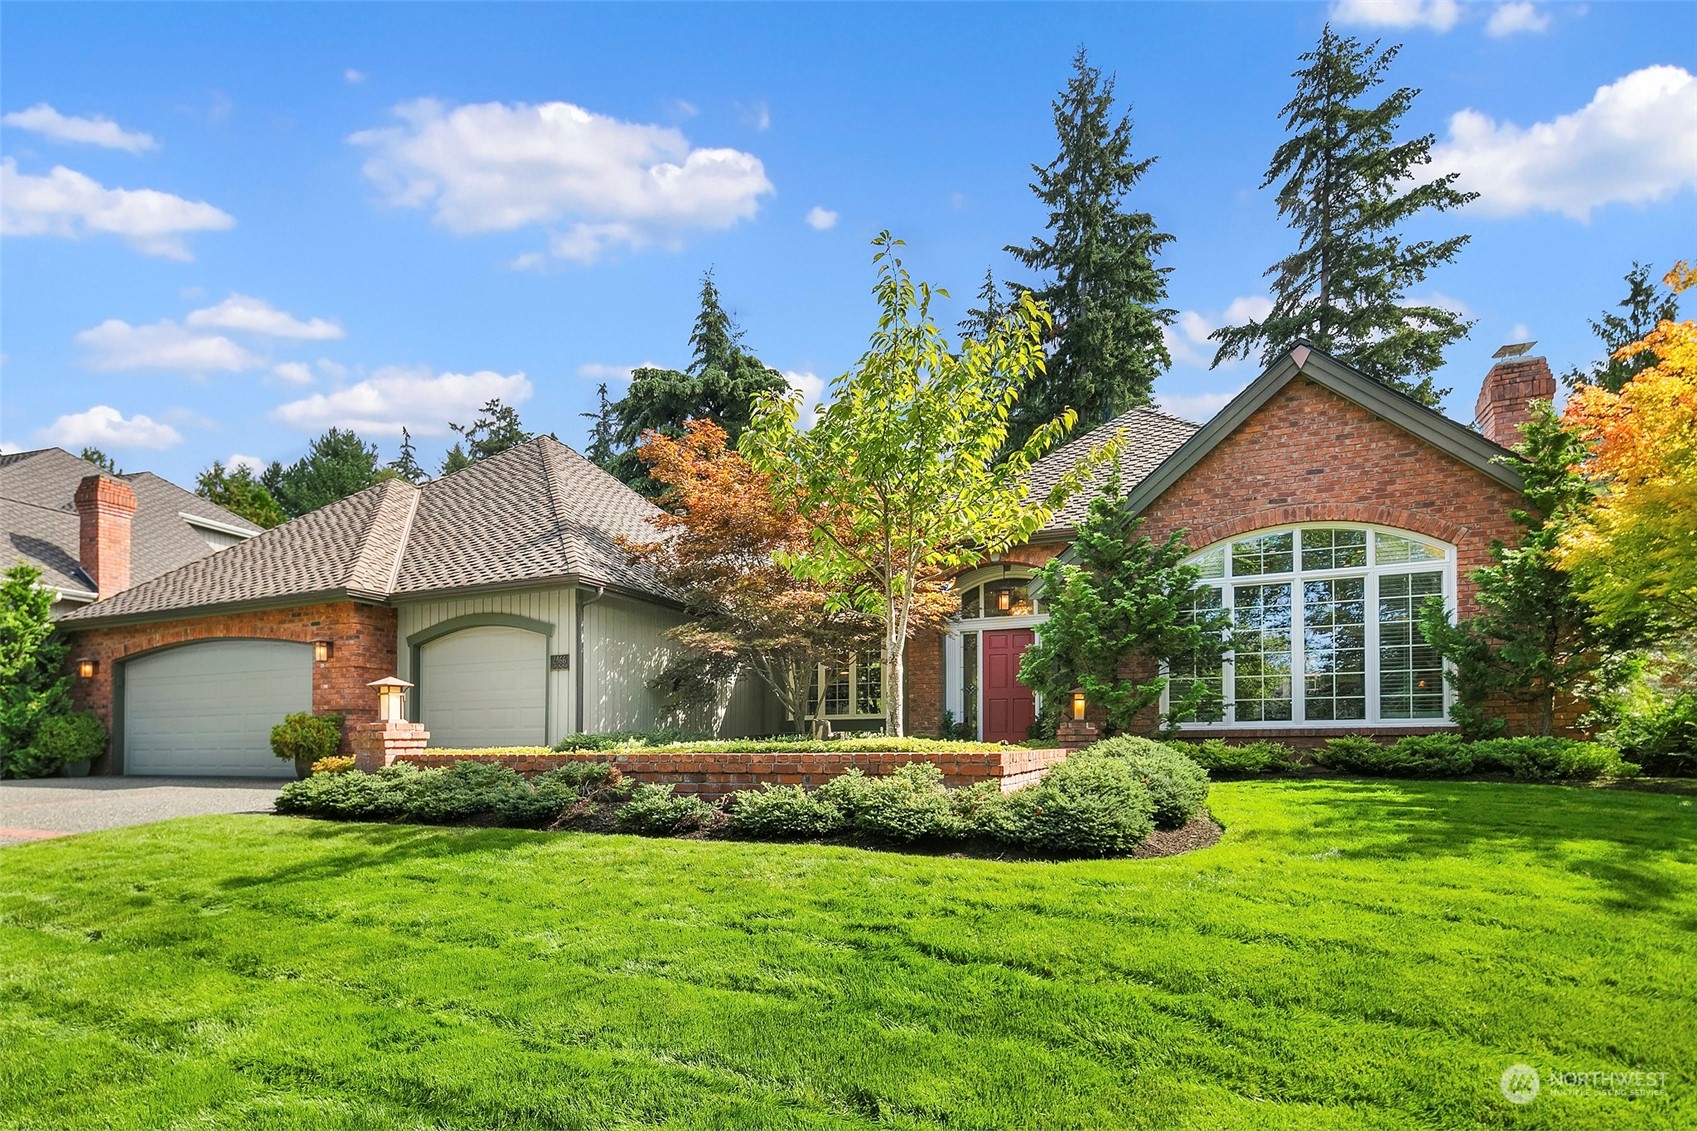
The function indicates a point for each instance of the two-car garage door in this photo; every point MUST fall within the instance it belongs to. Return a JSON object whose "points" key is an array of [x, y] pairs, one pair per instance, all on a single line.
{"points": [[208, 708]]}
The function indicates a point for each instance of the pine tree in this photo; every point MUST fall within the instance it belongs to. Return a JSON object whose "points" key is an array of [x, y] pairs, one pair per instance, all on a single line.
{"points": [[1646, 305], [1347, 186], [406, 464], [336, 465], [600, 450], [1097, 264]]}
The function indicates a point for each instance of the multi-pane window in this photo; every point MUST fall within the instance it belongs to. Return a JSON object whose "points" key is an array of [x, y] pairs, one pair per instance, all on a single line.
{"points": [[853, 690], [1324, 627], [1004, 597], [1188, 671], [868, 686]]}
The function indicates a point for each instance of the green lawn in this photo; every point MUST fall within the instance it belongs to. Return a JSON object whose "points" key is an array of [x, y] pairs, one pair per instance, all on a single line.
{"points": [[1352, 955]]}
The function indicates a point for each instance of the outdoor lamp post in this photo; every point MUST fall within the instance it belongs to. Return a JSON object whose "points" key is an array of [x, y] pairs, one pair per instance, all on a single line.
{"points": [[391, 699]]}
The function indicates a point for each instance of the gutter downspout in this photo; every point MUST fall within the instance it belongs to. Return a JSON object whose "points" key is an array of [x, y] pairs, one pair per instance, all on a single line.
{"points": [[582, 604]]}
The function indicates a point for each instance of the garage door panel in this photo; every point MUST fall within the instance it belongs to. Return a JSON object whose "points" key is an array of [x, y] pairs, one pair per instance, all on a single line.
{"points": [[208, 708], [485, 687]]}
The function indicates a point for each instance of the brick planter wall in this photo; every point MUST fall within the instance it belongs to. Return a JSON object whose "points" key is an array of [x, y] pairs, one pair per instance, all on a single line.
{"points": [[713, 775]]}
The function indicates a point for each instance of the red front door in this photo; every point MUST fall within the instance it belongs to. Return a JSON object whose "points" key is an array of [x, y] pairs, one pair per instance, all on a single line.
{"points": [[1009, 708]]}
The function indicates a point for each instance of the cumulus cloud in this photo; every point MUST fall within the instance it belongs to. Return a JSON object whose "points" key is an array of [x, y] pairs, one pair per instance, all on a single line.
{"points": [[44, 120], [397, 396], [1197, 407], [1635, 142], [1513, 19], [293, 372], [1434, 15], [115, 345], [252, 463], [821, 219], [334, 370], [1187, 338], [596, 181], [105, 427], [7, 447], [256, 316], [811, 386], [69, 204]]}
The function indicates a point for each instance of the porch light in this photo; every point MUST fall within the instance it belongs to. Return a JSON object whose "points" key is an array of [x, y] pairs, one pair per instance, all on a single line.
{"points": [[86, 668], [322, 650], [1078, 706], [391, 699], [1004, 599]]}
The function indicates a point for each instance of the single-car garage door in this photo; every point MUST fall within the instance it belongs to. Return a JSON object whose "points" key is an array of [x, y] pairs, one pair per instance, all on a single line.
{"points": [[208, 708], [484, 687]]}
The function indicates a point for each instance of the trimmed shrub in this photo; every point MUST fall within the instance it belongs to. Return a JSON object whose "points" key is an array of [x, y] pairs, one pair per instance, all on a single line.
{"points": [[336, 764], [1082, 807], [1552, 759], [908, 804], [1431, 755], [783, 812], [780, 744], [1224, 759], [654, 810], [76, 737], [306, 737], [465, 792], [848, 793], [1176, 785]]}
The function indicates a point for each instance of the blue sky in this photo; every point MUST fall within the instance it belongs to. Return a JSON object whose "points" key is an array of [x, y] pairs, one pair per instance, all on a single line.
{"points": [[228, 227]]}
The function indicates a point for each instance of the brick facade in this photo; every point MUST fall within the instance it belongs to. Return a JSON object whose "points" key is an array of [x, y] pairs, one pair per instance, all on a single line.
{"points": [[1309, 455], [362, 639]]}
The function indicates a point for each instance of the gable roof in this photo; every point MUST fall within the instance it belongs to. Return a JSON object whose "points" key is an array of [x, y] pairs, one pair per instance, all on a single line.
{"points": [[536, 512], [1150, 436], [38, 518], [1388, 404]]}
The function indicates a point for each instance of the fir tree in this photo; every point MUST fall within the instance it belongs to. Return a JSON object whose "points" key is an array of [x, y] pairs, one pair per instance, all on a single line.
{"points": [[981, 321], [100, 459], [406, 464], [1646, 305], [238, 491], [1097, 266], [336, 465], [1347, 186], [496, 429], [600, 450]]}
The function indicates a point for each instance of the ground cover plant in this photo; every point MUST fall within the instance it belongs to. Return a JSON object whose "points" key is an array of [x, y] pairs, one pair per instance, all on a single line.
{"points": [[1353, 955], [782, 744]]}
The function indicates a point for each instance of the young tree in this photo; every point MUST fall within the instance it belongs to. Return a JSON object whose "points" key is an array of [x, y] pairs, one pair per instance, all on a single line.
{"points": [[100, 459], [238, 491], [1633, 555], [722, 535], [600, 451], [1349, 187], [1097, 266], [496, 429], [336, 465], [899, 480], [1533, 640], [33, 683], [1120, 606], [1646, 306], [406, 465]]}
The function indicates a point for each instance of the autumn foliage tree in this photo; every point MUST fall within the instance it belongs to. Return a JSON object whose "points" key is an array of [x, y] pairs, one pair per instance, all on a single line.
{"points": [[722, 535]]}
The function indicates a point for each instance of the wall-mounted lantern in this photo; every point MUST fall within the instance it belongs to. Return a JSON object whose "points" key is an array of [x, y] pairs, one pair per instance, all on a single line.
{"points": [[391, 699], [1004, 599], [322, 650], [86, 668], [1078, 705]]}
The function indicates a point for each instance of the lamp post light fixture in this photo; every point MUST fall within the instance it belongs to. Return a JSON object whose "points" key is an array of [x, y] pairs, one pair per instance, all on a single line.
{"points": [[391, 699], [322, 650], [86, 668], [1078, 706]]}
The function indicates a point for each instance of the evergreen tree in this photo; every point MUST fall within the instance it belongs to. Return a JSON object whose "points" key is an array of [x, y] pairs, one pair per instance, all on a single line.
{"points": [[336, 465], [33, 683], [981, 321], [406, 464], [600, 450], [1097, 267], [238, 491], [100, 459], [1646, 305], [496, 429], [1347, 186]]}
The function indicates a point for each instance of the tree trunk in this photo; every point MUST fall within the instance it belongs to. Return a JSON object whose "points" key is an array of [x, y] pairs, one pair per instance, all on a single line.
{"points": [[893, 672]]}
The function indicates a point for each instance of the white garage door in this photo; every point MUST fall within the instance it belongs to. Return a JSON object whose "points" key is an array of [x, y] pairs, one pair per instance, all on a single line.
{"points": [[484, 687], [209, 708]]}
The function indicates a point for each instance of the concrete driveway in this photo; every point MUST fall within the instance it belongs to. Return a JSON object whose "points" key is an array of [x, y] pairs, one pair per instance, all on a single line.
{"points": [[50, 807]]}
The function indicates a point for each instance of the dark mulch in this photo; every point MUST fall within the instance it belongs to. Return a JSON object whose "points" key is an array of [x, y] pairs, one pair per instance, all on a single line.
{"points": [[1201, 831]]}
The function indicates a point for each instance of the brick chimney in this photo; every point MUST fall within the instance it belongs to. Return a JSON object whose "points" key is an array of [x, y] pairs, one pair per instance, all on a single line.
{"points": [[1505, 399], [105, 508]]}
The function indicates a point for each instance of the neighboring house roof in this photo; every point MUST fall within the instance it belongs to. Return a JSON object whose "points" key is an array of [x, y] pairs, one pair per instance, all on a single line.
{"points": [[534, 513], [1148, 435], [38, 519]]}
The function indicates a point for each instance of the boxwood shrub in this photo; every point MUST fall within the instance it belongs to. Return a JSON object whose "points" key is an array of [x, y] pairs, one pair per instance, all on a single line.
{"points": [[1081, 807], [783, 812], [1177, 786], [655, 810]]}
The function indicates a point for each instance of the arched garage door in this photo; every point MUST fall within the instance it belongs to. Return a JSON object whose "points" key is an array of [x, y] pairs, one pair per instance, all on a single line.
{"points": [[208, 708], [484, 686]]}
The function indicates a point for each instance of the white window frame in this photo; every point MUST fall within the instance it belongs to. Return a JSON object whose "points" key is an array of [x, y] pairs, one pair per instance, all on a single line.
{"points": [[1295, 577], [854, 698], [954, 661]]}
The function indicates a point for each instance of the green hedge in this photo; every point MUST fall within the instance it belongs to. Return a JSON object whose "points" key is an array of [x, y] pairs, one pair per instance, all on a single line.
{"points": [[801, 744], [464, 793]]}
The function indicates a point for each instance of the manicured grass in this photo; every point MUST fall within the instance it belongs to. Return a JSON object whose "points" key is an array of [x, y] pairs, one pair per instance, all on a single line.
{"points": [[1352, 955]]}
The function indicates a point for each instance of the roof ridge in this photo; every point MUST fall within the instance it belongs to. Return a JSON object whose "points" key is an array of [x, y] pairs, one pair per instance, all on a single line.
{"points": [[565, 526], [406, 534], [367, 550]]}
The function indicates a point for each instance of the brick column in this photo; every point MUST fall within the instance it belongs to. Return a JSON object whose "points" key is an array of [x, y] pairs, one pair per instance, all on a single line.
{"points": [[1076, 734], [376, 745], [106, 507]]}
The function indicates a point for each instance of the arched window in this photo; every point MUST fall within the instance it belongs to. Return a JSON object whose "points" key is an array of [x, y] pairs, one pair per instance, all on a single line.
{"points": [[1325, 627]]}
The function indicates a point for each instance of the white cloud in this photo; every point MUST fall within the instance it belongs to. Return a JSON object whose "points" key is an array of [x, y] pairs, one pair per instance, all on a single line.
{"points": [[1187, 338], [1512, 19], [1435, 15], [7, 447], [683, 108], [116, 345], [499, 167], [1520, 332], [756, 114], [256, 316], [811, 386], [354, 77], [48, 122], [394, 396], [66, 203], [821, 219], [293, 372], [334, 370], [105, 427], [1635, 142], [252, 463], [601, 371], [528, 261], [1197, 407]]}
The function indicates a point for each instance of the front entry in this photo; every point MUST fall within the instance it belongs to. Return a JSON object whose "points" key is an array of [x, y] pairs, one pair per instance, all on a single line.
{"points": [[1009, 708]]}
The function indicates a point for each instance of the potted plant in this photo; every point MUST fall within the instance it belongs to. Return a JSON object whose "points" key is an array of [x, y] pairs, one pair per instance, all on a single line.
{"points": [[71, 741], [304, 738]]}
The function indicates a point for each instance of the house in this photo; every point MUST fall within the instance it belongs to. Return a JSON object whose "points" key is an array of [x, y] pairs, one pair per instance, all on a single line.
{"points": [[499, 591], [92, 534]]}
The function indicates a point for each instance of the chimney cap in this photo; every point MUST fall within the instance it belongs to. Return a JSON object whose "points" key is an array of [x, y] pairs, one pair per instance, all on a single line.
{"points": [[1514, 350]]}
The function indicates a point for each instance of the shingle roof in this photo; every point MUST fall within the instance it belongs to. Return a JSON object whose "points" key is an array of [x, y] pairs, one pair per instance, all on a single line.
{"points": [[39, 518], [536, 512], [1150, 436]]}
